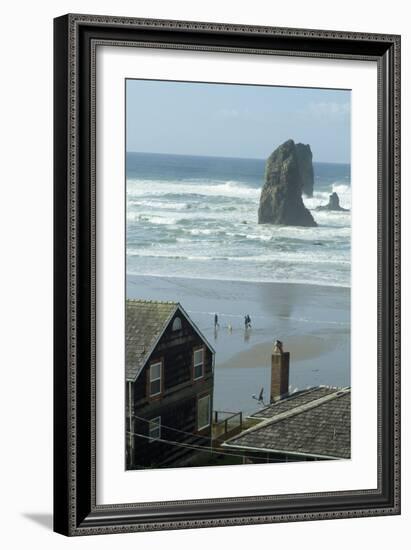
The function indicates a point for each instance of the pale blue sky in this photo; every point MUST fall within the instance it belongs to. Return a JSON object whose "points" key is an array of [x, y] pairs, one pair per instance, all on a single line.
{"points": [[230, 120]]}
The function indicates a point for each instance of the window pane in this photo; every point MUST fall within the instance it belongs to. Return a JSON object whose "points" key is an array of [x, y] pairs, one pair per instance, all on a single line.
{"points": [[203, 419], [155, 387], [155, 371], [198, 356], [198, 371]]}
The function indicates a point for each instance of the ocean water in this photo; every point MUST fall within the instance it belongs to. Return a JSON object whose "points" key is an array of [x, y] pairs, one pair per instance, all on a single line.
{"points": [[196, 217]]}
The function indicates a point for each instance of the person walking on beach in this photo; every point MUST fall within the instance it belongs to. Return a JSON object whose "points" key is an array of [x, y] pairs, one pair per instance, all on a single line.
{"points": [[247, 322], [216, 325]]}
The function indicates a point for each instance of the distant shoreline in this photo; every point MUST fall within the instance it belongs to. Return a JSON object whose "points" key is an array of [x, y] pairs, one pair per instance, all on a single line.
{"points": [[223, 157]]}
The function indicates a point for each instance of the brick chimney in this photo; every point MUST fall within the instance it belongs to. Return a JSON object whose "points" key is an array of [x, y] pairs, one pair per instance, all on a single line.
{"points": [[280, 366]]}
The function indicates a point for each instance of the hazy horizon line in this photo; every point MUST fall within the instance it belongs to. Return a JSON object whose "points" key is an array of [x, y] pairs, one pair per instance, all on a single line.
{"points": [[225, 157]]}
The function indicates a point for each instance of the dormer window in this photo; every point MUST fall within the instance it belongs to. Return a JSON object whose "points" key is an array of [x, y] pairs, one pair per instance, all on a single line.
{"points": [[176, 324]]}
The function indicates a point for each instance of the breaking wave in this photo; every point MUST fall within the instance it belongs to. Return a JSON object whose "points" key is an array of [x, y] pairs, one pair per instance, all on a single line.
{"points": [[207, 228]]}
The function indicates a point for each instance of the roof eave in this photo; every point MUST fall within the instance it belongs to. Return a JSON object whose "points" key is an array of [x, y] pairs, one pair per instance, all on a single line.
{"points": [[191, 322], [178, 306], [282, 451], [154, 344]]}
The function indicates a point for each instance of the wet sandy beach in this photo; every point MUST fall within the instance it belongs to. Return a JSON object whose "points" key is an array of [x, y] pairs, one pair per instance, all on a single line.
{"points": [[312, 321]]}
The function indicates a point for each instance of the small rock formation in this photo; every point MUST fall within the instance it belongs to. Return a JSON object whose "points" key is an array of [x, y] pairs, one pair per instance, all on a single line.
{"points": [[281, 202], [333, 204], [305, 161]]}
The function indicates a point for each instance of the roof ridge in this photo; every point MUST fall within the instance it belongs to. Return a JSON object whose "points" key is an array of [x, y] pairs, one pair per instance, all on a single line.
{"points": [[297, 410]]}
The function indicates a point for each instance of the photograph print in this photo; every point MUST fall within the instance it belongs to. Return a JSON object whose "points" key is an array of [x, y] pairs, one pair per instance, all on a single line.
{"points": [[238, 274]]}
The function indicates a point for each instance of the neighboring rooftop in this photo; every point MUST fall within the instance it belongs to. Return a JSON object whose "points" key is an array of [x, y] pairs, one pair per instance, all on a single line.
{"points": [[293, 400], [313, 423], [145, 322]]}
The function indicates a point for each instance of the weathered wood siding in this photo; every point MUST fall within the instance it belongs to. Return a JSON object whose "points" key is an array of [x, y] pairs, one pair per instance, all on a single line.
{"points": [[178, 425], [175, 350]]}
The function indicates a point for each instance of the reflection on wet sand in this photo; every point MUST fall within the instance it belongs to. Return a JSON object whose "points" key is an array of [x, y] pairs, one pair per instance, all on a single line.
{"points": [[312, 321]]}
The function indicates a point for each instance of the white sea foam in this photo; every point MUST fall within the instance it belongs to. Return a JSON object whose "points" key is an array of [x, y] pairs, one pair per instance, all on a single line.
{"points": [[280, 277], [200, 228], [274, 259], [141, 188], [320, 198]]}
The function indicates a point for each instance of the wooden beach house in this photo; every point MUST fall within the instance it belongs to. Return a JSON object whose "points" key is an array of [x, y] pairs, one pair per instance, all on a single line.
{"points": [[169, 385]]}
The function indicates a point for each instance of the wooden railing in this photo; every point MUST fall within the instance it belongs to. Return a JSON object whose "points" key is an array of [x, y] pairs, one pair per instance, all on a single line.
{"points": [[226, 424]]}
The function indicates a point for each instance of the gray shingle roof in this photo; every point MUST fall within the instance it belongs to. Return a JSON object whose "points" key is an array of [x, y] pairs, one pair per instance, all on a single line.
{"points": [[145, 322], [318, 427], [294, 400]]}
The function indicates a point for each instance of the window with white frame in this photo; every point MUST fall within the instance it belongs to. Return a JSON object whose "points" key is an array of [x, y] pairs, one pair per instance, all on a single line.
{"points": [[154, 428], [203, 412], [198, 363], [155, 379]]}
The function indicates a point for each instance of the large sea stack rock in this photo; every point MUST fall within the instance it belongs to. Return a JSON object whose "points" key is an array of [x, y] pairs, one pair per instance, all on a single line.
{"points": [[281, 202], [333, 204], [305, 161]]}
